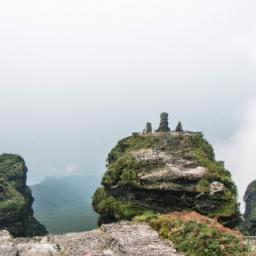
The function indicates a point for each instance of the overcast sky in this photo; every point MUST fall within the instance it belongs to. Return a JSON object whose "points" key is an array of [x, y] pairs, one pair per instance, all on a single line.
{"points": [[77, 76]]}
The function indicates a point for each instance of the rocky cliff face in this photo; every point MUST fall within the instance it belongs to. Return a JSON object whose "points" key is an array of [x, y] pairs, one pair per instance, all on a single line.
{"points": [[116, 239], [16, 214], [165, 172], [249, 225]]}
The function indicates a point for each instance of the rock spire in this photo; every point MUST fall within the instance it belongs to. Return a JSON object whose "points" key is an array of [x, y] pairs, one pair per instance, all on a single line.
{"points": [[179, 127], [163, 127], [148, 128]]}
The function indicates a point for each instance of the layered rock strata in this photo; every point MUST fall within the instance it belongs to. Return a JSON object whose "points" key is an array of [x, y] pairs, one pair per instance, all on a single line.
{"points": [[16, 214], [165, 172]]}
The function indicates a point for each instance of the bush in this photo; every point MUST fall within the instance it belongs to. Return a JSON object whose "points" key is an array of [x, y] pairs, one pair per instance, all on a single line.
{"points": [[197, 235]]}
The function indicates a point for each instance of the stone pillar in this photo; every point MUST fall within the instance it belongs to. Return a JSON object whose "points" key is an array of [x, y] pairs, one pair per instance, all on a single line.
{"points": [[163, 127], [148, 128], [179, 127]]}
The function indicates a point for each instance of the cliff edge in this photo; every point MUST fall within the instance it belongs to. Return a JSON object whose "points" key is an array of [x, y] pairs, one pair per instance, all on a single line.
{"points": [[16, 214]]}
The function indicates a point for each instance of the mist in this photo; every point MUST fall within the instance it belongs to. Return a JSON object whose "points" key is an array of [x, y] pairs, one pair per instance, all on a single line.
{"points": [[76, 77], [239, 151]]}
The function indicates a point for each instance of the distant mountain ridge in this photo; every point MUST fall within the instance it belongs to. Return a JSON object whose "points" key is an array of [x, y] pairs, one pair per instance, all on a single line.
{"points": [[64, 204]]}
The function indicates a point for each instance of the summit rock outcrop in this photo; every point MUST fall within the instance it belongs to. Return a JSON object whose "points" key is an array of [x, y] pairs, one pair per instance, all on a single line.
{"points": [[163, 127], [164, 172], [16, 213]]}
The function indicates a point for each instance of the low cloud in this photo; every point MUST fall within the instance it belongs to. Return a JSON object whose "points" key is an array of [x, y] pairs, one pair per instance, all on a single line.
{"points": [[71, 168], [239, 153]]}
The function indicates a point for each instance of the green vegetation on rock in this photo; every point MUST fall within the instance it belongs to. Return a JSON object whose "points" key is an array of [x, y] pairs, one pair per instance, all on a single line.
{"points": [[248, 227], [197, 235], [12, 203], [16, 214], [116, 208], [165, 172]]}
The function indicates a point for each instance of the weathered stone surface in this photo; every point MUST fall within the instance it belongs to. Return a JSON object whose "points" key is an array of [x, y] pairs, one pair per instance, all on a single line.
{"points": [[165, 172], [148, 128], [216, 187], [175, 166], [117, 239], [163, 127], [8, 251], [16, 214], [6, 244]]}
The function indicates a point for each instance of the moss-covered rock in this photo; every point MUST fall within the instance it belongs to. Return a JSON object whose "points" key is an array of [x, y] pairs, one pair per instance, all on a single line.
{"points": [[248, 227], [166, 172], [16, 213]]}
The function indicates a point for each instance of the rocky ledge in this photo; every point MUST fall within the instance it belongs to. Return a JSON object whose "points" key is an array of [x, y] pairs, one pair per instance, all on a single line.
{"points": [[117, 239]]}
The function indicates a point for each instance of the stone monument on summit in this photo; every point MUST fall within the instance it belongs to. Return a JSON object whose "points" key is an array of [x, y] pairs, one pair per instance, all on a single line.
{"points": [[163, 127], [148, 128]]}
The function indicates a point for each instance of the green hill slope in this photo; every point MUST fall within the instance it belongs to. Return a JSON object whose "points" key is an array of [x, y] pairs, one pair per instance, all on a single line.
{"points": [[64, 205]]}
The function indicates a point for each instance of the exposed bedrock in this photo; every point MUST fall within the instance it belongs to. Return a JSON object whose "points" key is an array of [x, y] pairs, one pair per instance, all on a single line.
{"points": [[164, 172], [117, 239]]}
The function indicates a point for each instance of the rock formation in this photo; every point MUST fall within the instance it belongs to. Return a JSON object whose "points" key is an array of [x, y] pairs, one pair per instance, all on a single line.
{"points": [[162, 173], [248, 227], [16, 214], [148, 128], [117, 239], [163, 127], [179, 127]]}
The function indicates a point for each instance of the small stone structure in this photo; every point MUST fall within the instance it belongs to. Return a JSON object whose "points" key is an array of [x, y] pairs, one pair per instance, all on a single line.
{"points": [[163, 127], [179, 127], [148, 128]]}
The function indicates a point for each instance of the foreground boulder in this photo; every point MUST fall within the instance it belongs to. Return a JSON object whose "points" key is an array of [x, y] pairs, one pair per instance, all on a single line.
{"points": [[117, 239], [164, 172], [16, 214]]}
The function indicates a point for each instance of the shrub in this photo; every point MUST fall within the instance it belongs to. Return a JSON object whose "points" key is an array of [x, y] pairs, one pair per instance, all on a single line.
{"points": [[198, 235]]}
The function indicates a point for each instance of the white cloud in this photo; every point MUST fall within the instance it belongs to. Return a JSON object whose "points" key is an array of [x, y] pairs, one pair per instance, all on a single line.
{"points": [[244, 45], [239, 153], [71, 168]]}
